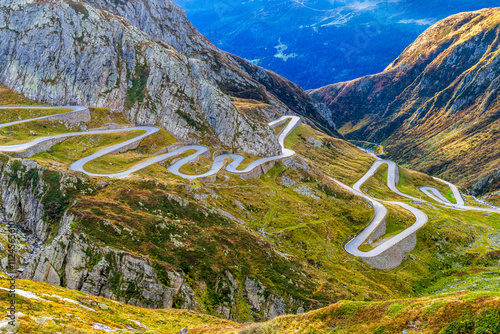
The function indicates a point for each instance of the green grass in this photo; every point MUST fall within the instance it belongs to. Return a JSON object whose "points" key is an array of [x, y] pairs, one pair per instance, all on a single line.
{"points": [[11, 115], [280, 218], [200, 166], [203, 165], [22, 133], [410, 182], [76, 148], [376, 148], [67, 317], [472, 312], [249, 158], [138, 90], [8, 97], [279, 128], [311, 232], [336, 157], [300, 239], [25, 132], [478, 280], [103, 116], [148, 148]]}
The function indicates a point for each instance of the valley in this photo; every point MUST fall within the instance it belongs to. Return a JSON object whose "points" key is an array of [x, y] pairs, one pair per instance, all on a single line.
{"points": [[380, 245], [320, 42], [151, 182], [435, 108]]}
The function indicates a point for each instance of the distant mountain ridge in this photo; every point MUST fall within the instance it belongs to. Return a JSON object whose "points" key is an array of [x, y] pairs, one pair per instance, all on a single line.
{"points": [[437, 106], [319, 42]]}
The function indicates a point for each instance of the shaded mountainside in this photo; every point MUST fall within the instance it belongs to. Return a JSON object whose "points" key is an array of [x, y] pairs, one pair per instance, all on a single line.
{"points": [[76, 53], [436, 107], [319, 42]]}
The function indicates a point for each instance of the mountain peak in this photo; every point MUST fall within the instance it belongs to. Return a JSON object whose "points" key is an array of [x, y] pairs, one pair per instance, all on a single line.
{"points": [[437, 96]]}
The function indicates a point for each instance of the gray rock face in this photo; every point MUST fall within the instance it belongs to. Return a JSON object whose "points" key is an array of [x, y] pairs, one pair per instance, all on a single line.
{"points": [[20, 201], [70, 259], [270, 307], [296, 163], [9, 326], [143, 56], [71, 53], [306, 190], [483, 185], [76, 263], [166, 21], [163, 20]]}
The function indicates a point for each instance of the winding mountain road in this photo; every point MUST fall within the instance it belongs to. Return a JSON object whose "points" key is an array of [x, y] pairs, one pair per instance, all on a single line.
{"points": [[218, 163], [388, 254]]}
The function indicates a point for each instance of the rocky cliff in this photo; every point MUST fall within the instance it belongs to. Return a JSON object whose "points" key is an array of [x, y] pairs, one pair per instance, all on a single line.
{"points": [[144, 57], [166, 21], [53, 249], [436, 106]]}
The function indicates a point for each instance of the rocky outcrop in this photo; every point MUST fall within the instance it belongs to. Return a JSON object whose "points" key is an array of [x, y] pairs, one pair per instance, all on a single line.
{"points": [[487, 184], [166, 21], [21, 197], [163, 20], [52, 250], [151, 62], [270, 307], [49, 54], [73, 261], [70, 259]]}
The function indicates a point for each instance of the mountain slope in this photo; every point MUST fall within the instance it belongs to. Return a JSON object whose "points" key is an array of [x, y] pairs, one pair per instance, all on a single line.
{"points": [[245, 249], [463, 312], [318, 42], [436, 107], [68, 52], [239, 248], [165, 21]]}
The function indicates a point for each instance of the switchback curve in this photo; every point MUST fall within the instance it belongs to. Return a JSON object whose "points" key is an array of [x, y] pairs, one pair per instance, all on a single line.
{"points": [[387, 255], [218, 163]]}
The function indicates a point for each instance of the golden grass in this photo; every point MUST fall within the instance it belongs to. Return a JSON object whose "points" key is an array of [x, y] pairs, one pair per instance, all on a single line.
{"points": [[66, 317]]}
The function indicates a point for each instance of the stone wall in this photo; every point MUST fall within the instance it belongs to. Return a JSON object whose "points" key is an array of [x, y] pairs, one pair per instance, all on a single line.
{"points": [[44, 146], [78, 116], [392, 258]]}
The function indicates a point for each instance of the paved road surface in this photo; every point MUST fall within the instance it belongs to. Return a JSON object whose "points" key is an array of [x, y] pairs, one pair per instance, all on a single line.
{"points": [[380, 211]]}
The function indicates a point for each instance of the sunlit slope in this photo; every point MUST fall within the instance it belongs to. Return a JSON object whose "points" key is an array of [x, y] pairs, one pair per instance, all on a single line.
{"points": [[436, 106]]}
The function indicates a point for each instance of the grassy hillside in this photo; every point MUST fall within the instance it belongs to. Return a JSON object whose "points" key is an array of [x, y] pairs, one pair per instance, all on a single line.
{"points": [[447, 314], [8, 97], [436, 107], [285, 229], [55, 309]]}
